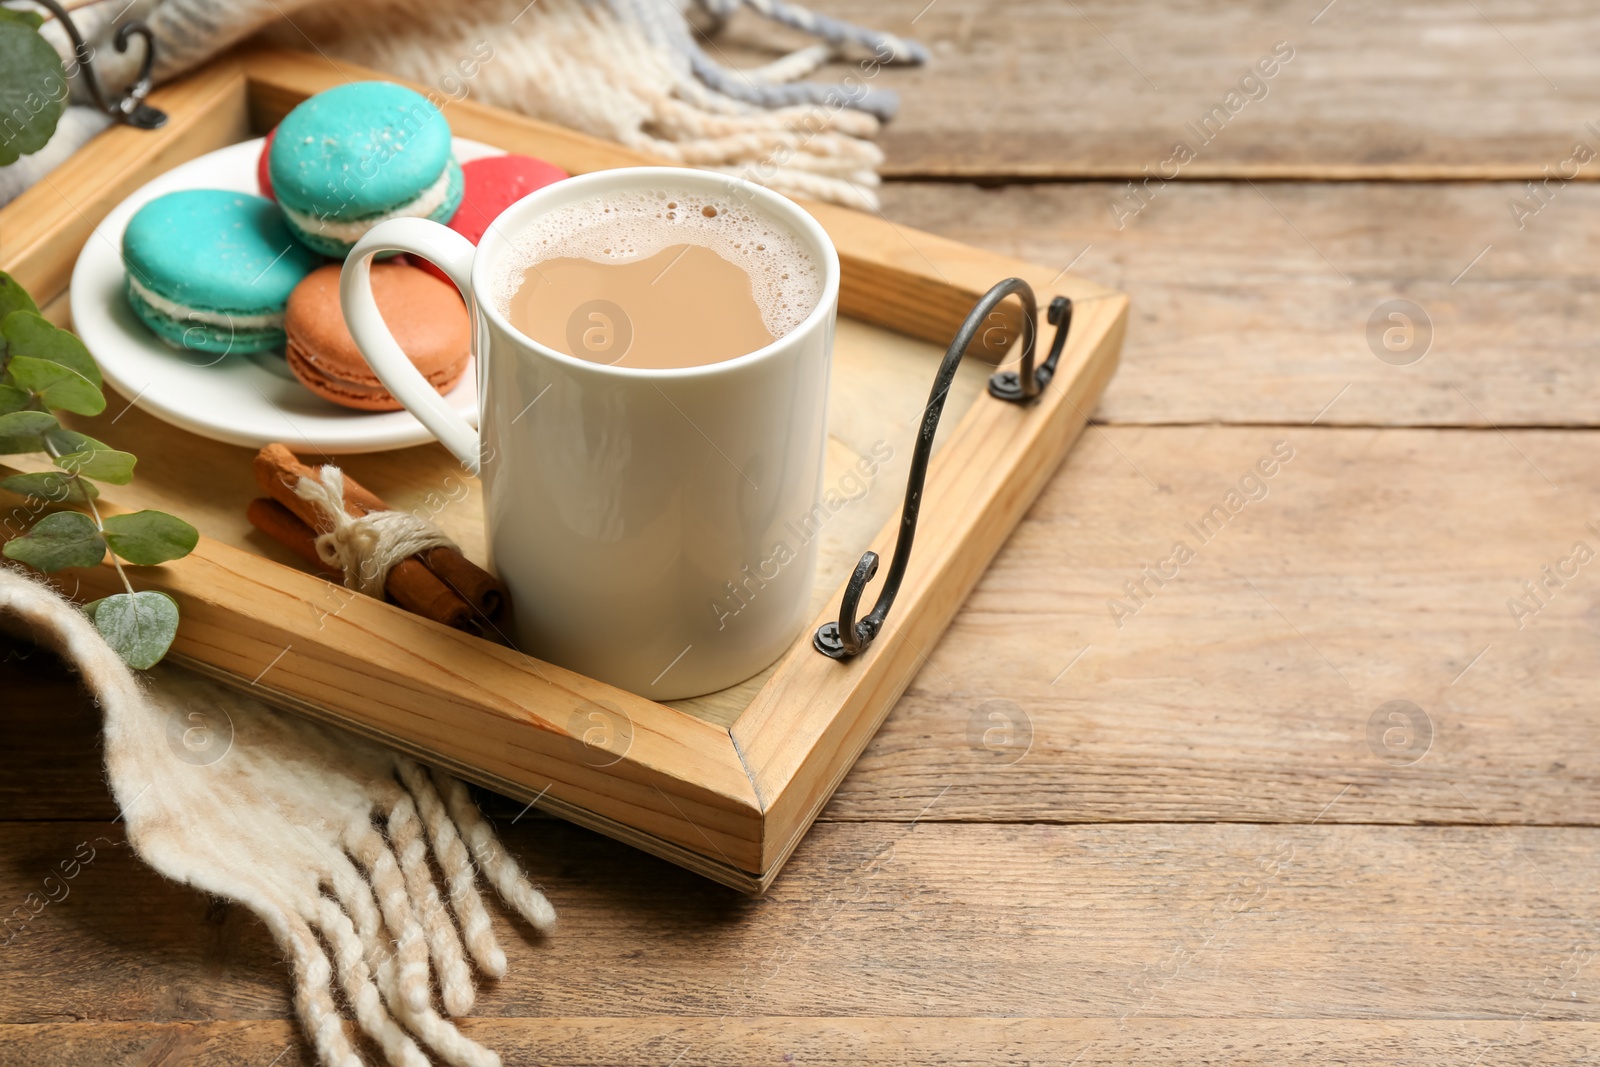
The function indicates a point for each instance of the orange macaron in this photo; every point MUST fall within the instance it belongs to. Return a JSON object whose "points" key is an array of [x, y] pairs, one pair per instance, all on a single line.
{"points": [[426, 316]]}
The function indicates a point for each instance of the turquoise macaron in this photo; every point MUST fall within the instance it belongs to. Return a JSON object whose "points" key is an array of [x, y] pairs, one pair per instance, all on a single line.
{"points": [[353, 156], [212, 270]]}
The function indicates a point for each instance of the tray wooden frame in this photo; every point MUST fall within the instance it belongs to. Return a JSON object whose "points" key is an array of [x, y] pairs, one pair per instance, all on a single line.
{"points": [[729, 803]]}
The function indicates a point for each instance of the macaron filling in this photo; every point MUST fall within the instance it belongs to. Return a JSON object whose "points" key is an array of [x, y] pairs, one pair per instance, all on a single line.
{"points": [[349, 231], [266, 320]]}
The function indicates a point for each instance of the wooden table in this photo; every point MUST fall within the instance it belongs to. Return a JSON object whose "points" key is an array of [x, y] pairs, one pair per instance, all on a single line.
{"points": [[1220, 845]]}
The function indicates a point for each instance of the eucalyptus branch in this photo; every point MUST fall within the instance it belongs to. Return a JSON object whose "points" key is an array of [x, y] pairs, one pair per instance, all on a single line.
{"points": [[44, 371], [55, 453], [115, 562]]}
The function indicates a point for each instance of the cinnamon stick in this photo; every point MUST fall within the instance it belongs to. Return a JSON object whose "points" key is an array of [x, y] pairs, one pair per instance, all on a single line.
{"points": [[277, 470], [410, 584], [480, 588], [285, 527], [415, 588]]}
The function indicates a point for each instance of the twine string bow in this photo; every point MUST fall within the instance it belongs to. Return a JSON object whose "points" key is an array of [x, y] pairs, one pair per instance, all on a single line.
{"points": [[364, 547]]}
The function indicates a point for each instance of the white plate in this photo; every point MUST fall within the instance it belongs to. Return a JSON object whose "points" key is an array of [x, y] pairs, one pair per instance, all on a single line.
{"points": [[243, 399]]}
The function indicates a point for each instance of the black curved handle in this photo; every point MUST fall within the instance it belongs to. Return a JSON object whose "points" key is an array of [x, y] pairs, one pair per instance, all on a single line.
{"points": [[129, 108], [1026, 384], [848, 637]]}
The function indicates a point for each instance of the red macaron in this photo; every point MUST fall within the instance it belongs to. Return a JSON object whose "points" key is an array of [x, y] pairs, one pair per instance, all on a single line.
{"points": [[491, 185], [264, 176], [494, 184]]}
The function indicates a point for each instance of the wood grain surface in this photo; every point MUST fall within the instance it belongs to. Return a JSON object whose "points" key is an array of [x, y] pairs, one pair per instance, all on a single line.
{"points": [[1043, 89], [880, 1041], [1196, 837], [1099, 921], [1252, 301]]}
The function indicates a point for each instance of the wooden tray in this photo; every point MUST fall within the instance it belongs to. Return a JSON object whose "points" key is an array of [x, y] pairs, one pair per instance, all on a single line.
{"points": [[725, 785]]}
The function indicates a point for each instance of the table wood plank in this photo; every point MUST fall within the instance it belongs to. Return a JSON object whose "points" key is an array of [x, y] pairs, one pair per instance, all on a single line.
{"points": [[1251, 303], [1379, 565], [1037, 89], [932, 920], [883, 1041]]}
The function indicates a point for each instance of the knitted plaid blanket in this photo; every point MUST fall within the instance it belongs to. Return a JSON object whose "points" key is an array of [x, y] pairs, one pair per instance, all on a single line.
{"points": [[646, 73]]}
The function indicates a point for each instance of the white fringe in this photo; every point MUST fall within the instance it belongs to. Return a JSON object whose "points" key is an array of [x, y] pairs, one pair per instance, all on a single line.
{"points": [[279, 814]]}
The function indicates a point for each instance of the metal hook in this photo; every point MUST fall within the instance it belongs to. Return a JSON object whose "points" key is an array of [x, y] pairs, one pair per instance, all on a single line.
{"points": [[129, 108], [848, 637], [1026, 385]]}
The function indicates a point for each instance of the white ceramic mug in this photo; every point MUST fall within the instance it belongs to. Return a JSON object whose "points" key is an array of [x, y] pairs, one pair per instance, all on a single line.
{"points": [[642, 519]]}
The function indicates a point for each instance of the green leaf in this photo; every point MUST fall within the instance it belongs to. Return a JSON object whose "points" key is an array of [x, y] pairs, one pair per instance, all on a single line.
{"points": [[13, 297], [66, 441], [13, 399], [54, 486], [26, 423], [59, 442], [150, 537], [65, 539], [20, 430], [58, 385], [28, 18], [33, 88], [12, 446], [139, 627], [28, 333], [106, 464]]}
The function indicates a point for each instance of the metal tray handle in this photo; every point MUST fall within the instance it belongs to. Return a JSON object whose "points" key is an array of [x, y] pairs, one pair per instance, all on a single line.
{"points": [[849, 637]]}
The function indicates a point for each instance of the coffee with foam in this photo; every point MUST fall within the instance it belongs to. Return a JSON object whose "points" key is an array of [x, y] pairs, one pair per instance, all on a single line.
{"points": [[657, 279]]}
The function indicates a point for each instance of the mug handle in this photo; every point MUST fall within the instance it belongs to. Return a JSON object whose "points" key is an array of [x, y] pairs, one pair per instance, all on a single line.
{"points": [[451, 253]]}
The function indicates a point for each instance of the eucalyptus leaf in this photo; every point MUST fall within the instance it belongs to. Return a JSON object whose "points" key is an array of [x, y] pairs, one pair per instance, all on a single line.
{"points": [[13, 399], [65, 441], [54, 486], [65, 539], [33, 89], [106, 464], [58, 442], [26, 423], [13, 297], [139, 627], [150, 537], [58, 385], [28, 333], [27, 18], [12, 446], [20, 426]]}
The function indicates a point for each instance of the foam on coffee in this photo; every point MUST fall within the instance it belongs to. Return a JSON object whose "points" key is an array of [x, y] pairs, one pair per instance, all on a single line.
{"points": [[785, 281]]}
